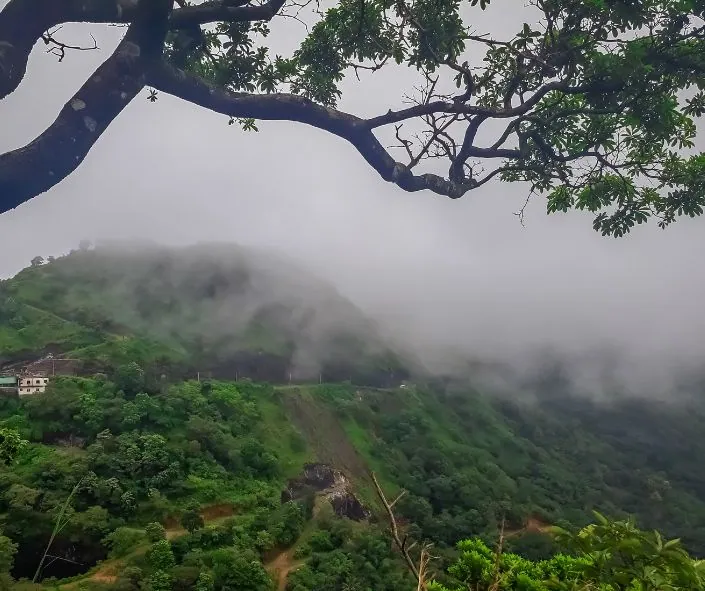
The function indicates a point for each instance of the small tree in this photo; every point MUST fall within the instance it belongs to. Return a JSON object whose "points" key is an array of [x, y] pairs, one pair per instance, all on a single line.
{"points": [[37, 261], [155, 532], [122, 541], [7, 554], [130, 378], [159, 581], [133, 574], [205, 581], [160, 555], [10, 445], [191, 520]]}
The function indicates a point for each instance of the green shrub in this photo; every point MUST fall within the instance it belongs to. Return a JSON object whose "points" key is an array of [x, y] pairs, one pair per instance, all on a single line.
{"points": [[123, 540], [155, 532]]}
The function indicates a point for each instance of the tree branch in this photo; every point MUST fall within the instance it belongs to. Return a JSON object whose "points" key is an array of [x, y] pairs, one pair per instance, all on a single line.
{"points": [[289, 107], [58, 151], [224, 11], [454, 107], [58, 48], [23, 22], [395, 532], [457, 166]]}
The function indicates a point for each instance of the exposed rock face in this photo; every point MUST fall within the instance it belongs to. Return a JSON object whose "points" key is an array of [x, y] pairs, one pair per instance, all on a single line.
{"points": [[330, 483], [346, 504]]}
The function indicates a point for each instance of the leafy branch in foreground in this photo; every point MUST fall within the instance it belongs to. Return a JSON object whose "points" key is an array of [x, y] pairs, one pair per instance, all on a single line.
{"points": [[606, 555], [594, 104]]}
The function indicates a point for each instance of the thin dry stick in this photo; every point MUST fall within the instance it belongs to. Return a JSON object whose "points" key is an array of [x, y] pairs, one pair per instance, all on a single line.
{"points": [[58, 526], [498, 556], [420, 571], [423, 564], [393, 525]]}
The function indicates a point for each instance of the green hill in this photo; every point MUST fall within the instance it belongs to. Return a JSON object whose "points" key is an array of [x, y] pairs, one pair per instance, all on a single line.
{"points": [[145, 448], [221, 309]]}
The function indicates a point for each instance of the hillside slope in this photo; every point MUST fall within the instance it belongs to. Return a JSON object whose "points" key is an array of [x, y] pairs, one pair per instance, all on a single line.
{"points": [[467, 460], [220, 308], [148, 448]]}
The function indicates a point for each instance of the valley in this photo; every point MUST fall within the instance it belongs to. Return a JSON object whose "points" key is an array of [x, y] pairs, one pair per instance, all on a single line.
{"points": [[208, 434]]}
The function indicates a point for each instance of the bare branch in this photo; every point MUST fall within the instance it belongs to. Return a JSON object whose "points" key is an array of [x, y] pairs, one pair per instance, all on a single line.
{"points": [[59, 48], [420, 572], [394, 502], [423, 565], [522, 210], [23, 22], [395, 531], [451, 107]]}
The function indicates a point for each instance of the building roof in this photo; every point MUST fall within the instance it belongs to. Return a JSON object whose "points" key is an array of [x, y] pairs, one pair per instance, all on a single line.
{"points": [[8, 381]]}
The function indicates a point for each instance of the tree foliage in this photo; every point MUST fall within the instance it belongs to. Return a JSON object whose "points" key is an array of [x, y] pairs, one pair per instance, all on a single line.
{"points": [[191, 520], [11, 443], [607, 555], [592, 104], [155, 531], [160, 556]]}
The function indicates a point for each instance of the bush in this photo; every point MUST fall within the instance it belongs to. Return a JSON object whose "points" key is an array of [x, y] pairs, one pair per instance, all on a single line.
{"points": [[133, 574], [155, 532], [288, 530], [160, 555], [191, 520], [205, 581], [159, 581], [122, 541], [185, 577], [321, 541], [302, 551]]}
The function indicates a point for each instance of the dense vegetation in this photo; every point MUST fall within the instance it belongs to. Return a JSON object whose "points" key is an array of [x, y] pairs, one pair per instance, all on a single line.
{"points": [[224, 451], [177, 484], [604, 555], [469, 460]]}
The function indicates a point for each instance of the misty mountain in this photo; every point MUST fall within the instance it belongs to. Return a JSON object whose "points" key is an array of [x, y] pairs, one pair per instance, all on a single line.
{"points": [[220, 307]]}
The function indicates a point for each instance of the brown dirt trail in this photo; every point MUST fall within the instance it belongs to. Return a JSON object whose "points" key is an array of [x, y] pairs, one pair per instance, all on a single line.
{"points": [[281, 566]]}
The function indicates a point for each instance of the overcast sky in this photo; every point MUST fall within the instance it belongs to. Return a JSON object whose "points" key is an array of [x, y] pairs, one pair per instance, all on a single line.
{"points": [[443, 271]]}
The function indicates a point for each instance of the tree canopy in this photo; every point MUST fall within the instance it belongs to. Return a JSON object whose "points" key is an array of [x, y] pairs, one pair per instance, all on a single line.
{"points": [[608, 555], [593, 104]]}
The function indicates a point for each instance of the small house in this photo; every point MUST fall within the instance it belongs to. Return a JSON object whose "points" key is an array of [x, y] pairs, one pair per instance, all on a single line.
{"points": [[32, 384]]}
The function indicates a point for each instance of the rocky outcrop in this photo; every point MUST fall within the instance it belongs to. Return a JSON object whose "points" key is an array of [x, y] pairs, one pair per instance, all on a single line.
{"points": [[324, 480]]}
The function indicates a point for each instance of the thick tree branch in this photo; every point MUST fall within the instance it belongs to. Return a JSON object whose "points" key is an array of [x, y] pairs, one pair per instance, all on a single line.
{"points": [[457, 166], [289, 107], [224, 11], [58, 151], [462, 108], [23, 22]]}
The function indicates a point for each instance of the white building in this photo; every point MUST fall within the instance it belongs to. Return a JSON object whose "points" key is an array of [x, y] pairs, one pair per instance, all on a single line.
{"points": [[32, 385]]}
